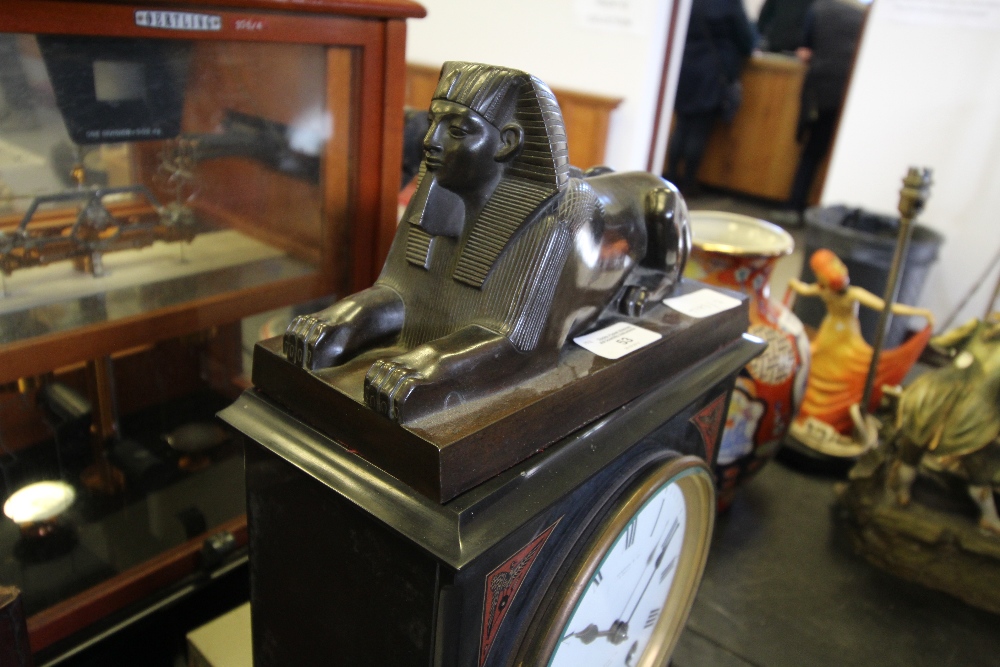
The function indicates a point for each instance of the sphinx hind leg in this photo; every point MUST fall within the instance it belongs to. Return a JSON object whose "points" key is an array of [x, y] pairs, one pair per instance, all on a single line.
{"points": [[668, 242], [668, 234]]}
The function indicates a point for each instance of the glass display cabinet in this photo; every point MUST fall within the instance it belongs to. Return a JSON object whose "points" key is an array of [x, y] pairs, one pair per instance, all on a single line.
{"points": [[167, 172]]}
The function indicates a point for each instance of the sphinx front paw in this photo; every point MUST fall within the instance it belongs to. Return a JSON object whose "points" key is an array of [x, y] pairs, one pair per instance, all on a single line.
{"points": [[306, 342], [293, 344], [387, 386]]}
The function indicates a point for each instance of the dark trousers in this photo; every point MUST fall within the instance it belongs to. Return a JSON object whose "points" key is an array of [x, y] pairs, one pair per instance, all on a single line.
{"points": [[687, 147], [820, 133], [13, 79]]}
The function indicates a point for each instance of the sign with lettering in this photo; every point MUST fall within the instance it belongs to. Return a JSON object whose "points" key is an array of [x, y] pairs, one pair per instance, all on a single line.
{"points": [[148, 18]]}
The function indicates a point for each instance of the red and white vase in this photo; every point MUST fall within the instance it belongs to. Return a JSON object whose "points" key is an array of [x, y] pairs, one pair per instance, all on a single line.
{"points": [[739, 252]]}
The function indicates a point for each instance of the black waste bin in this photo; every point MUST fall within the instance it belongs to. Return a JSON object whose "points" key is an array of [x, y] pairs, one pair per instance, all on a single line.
{"points": [[865, 242]]}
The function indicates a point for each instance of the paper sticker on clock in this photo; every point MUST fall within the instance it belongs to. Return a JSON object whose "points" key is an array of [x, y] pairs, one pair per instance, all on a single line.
{"points": [[616, 341]]}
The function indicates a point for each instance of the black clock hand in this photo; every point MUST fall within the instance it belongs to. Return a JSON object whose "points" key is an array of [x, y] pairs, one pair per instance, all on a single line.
{"points": [[631, 652], [616, 634], [629, 599], [659, 559], [666, 542], [587, 635]]}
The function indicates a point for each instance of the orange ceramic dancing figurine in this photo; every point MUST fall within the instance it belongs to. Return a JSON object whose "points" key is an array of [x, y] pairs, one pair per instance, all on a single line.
{"points": [[841, 356]]}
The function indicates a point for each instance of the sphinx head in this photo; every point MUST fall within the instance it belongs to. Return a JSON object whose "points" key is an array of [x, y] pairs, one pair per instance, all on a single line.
{"points": [[480, 118], [466, 153]]}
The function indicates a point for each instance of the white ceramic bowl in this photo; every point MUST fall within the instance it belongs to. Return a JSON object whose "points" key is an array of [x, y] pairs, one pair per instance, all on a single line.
{"points": [[735, 234]]}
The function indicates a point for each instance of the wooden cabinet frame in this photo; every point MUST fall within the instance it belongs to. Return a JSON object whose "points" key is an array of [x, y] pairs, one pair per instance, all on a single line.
{"points": [[351, 254]]}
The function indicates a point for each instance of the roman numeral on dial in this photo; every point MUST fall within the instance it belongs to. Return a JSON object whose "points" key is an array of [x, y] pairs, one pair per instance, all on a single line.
{"points": [[668, 569], [630, 534]]}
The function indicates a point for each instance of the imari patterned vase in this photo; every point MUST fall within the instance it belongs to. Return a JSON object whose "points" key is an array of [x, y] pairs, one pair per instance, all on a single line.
{"points": [[739, 252]]}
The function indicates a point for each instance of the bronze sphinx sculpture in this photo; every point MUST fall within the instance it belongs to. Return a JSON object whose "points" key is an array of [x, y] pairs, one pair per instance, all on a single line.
{"points": [[504, 252]]}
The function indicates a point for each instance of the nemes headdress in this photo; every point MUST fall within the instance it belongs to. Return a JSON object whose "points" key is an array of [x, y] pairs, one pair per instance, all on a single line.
{"points": [[541, 169], [485, 89]]}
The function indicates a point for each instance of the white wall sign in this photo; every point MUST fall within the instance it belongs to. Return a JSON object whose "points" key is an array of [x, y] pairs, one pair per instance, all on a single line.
{"points": [[983, 14], [612, 15]]}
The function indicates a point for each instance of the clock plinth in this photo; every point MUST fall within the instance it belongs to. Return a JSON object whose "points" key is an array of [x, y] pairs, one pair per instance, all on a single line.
{"points": [[358, 558]]}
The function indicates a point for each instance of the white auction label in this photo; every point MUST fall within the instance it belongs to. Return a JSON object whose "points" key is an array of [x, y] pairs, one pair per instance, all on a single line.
{"points": [[702, 303], [616, 341]]}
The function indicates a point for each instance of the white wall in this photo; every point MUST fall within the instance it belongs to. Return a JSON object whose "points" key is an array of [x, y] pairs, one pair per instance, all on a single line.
{"points": [[606, 47], [926, 92]]}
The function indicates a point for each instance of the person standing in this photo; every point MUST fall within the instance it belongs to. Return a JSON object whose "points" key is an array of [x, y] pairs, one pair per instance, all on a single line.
{"points": [[18, 110], [833, 28], [719, 40], [781, 24]]}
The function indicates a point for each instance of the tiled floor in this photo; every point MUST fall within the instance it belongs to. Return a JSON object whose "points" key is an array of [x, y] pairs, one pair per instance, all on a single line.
{"points": [[783, 588]]}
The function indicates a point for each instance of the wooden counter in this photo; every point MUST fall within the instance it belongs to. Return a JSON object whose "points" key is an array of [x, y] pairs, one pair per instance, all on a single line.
{"points": [[757, 154]]}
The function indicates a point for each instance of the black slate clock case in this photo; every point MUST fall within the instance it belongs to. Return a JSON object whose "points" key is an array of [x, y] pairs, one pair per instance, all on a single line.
{"points": [[350, 566], [575, 519]]}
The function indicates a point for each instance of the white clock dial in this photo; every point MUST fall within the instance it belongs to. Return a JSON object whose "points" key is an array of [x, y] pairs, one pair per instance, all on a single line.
{"points": [[620, 609], [625, 594]]}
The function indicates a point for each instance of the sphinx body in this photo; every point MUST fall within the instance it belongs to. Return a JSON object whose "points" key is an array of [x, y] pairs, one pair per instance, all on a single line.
{"points": [[504, 252]]}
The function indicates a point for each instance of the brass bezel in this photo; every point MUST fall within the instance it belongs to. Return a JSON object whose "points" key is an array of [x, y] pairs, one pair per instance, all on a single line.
{"points": [[695, 482]]}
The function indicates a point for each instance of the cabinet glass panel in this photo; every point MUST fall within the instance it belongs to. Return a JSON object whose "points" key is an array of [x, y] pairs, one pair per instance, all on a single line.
{"points": [[138, 174], [142, 179]]}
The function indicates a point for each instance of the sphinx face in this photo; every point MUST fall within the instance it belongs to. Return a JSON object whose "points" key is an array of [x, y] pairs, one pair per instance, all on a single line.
{"points": [[460, 149]]}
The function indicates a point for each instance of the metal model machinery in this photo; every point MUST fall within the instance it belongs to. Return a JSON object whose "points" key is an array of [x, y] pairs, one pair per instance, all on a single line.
{"points": [[498, 454], [102, 224], [167, 173]]}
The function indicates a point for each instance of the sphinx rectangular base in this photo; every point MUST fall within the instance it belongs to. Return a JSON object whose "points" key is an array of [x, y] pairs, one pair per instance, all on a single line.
{"points": [[445, 454]]}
